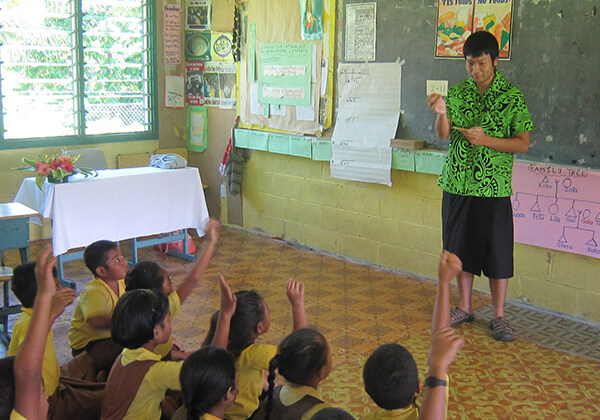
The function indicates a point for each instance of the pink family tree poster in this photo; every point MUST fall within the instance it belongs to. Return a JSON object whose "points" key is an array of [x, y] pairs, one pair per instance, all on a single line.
{"points": [[557, 207]]}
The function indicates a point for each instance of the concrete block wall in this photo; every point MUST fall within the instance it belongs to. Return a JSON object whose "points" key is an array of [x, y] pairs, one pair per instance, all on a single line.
{"points": [[398, 227]]}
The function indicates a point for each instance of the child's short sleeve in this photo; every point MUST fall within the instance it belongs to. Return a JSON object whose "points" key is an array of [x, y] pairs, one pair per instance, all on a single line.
{"points": [[96, 302], [259, 355]]}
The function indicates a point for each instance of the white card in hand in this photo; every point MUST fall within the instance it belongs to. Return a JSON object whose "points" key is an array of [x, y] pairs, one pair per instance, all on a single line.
{"points": [[437, 86]]}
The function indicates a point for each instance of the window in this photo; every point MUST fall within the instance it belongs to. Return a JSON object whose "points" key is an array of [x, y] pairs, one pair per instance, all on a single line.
{"points": [[77, 71]]}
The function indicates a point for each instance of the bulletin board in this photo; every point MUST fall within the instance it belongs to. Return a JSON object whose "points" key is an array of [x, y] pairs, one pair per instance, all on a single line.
{"points": [[269, 27], [554, 61]]}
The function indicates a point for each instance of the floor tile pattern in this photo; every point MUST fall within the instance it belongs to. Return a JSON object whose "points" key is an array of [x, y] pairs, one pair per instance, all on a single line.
{"points": [[359, 307]]}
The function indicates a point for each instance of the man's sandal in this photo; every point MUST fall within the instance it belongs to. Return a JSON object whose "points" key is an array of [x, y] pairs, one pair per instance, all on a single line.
{"points": [[458, 316], [502, 330]]}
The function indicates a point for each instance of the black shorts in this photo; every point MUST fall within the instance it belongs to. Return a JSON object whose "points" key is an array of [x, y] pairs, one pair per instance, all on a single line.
{"points": [[480, 231]]}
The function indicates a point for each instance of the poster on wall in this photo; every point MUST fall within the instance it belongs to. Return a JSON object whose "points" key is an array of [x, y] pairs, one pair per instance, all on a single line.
{"points": [[174, 91], [361, 32], [172, 34], [197, 46], [312, 19], [221, 46], [457, 21], [211, 83], [284, 73], [198, 128], [198, 14]]}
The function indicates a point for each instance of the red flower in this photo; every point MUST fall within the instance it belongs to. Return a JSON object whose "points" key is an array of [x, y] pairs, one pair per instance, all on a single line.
{"points": [[42, 168], [54, 165], [67, 166]]}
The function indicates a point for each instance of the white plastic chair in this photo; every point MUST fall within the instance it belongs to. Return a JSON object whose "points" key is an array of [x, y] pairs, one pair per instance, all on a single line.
{"points": [[90, 158]]}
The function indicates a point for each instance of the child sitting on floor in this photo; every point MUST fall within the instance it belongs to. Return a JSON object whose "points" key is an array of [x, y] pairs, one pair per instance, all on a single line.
{"points": [[90, 324], [139, 380], [304, 360], [30, 401], [149, 275], [68, 397], [390, 374], [208, 383], [250, 320]]}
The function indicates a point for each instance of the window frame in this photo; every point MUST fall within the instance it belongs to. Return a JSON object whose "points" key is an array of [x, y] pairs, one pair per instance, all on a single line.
{"points": [[83, 139]]}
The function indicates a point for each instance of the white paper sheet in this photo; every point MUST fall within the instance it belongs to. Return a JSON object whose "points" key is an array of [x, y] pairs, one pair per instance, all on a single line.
{"points": [[367, 120]]}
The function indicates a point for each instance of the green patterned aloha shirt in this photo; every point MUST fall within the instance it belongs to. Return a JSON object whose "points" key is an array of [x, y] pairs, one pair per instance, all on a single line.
{"points": [[479, 170]]}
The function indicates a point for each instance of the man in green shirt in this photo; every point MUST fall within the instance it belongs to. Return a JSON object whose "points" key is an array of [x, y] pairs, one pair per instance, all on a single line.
{"points": [[487, 121]]}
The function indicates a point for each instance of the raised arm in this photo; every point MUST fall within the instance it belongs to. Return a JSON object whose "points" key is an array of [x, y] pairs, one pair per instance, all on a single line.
{"points": [[295, 293], [228, 305], [445, 344], [448, 268], [203, 258], [28, 363]]}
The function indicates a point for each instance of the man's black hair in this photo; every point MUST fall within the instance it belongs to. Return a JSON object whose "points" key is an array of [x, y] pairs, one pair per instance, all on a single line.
{"points": [[481, 43]]}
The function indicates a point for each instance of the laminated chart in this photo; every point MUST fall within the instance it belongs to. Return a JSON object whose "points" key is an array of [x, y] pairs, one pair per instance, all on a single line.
{"points": [[557, 207]]}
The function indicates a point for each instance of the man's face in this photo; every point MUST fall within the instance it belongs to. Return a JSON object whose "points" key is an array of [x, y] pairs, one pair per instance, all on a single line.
{"points": [[481, 69]]}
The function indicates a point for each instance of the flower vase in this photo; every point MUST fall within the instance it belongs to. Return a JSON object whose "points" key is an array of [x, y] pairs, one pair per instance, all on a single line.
{"points": [[62, 180]]}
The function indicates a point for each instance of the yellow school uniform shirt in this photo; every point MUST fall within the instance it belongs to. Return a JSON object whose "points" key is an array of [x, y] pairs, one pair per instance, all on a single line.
{"points": [[160, 377], [210, 417], [50, 366], [96, 299], [407, 413], [14, 415], [251, 367], [174, 305]]}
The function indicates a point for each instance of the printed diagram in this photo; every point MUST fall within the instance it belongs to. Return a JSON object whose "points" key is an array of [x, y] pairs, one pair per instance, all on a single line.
{"points": [[557, 209]]}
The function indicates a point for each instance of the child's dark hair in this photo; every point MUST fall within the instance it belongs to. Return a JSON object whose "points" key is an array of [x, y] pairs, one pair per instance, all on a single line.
{"points": [[391, 377], [145, 275], [7, 386], [249, 312], [96, 254], [136, 314], [332, 413], [206, 376], [299, 358], [481, 43], [24, 285]]}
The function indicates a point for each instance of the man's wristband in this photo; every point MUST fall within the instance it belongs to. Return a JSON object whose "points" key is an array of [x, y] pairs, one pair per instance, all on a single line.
{"points": [[432, 382]]}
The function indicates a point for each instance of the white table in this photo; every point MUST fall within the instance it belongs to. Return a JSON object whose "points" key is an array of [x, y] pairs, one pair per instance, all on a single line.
{"points": [[118, 204]]}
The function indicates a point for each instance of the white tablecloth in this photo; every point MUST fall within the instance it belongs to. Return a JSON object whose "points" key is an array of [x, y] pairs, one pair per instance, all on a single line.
{"points": [[118, 204]]}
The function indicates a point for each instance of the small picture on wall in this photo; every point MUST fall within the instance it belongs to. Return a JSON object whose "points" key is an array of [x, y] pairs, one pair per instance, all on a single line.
{"points": [[198, 14]]}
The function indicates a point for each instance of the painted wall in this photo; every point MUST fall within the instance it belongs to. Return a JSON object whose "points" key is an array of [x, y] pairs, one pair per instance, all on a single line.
{"points": [[397, 227]]}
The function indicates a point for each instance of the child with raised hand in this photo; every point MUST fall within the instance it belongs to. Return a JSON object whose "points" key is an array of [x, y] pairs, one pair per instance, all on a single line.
{"points": [[304, 360], [90, 324], [24, 285], [67, 397], [149, 275], [139, 380], [391, 375], [30, 398], [250, 320]]}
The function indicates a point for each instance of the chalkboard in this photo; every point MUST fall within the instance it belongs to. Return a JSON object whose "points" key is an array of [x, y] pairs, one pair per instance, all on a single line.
{"points": [[555, 61]]}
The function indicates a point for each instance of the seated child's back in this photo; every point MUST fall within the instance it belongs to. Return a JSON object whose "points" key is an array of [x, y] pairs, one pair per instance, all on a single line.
{"points": [[392, 381], [138, 380]]}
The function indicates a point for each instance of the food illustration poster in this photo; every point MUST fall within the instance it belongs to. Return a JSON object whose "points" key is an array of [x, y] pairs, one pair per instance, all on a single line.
{"points": [[198, 14], [496, 18], [312, 19], [458, 19]]}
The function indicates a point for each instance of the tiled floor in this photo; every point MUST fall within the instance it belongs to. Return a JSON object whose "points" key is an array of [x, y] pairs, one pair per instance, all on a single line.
{"points": [[550, 371]]}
